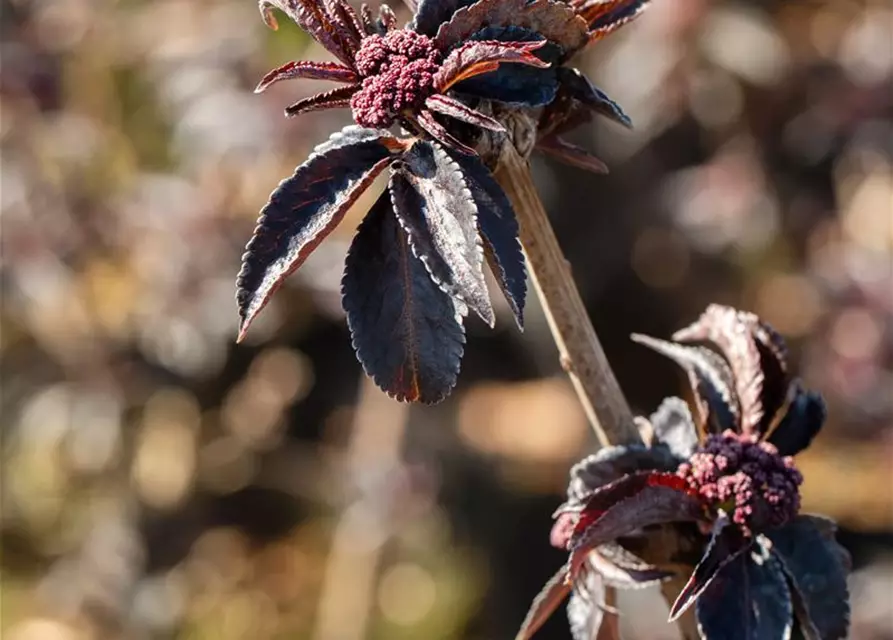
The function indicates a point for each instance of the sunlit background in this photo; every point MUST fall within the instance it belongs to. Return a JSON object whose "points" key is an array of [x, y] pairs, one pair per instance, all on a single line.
{"points": [[159, 481]]}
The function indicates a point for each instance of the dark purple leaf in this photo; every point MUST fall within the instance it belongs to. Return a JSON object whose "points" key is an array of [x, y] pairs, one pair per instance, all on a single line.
{"points": [[571, 154], [406, 331], [435, 208], [803, 420], [636, 501], [477, 57], [579, 88], [312, 18], [674, 427], [612, 463], [304, 209], [455, 109], [544, 604], [748, 600], [710, 378], [726, 544], [555, 21], [426, 121], [600, 14], [755, 354], [433, 13], [309, 70], [816, 566], [499, 231], [335, 99], [623, 569], [345, 15], [586, 607]]}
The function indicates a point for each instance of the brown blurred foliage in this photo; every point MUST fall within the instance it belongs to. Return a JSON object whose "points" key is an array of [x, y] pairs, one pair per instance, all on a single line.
{"points": [[159, 481]]}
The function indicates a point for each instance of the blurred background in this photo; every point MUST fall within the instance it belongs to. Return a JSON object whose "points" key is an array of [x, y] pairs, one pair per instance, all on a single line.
{"points": [[159, 481]]}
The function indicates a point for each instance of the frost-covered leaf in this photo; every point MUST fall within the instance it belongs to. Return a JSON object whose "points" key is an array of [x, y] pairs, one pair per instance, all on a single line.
{"points": [[623, 569], [555, 21], [407, 332], [312, 18], [499, 231], [674, 427], [335, 99], [430, 14], [307, 70], [803, 419], [455, 109], [815, 564], [304, 209], [636, 501], [710, 378], [517, 84], [435, 208], [748, 600], [477, 57], [586, 607], [726, 543], [544, 604], [611, 463]]}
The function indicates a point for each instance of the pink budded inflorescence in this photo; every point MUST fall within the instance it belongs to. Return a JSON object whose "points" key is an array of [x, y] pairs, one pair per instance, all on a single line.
{"points": [[748, 479], [398, 74]]}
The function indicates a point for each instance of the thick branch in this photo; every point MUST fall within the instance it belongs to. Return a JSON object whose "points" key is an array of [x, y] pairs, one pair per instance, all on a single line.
{"points": [[580, 351]]}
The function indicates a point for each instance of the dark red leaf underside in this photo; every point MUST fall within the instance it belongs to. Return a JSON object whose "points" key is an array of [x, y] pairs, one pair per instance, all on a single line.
{"points": [[335, 99], [544, 604], [426, 122], [726, 544], [307, 70], [435, 208], [748, 600], [571, 154], [348, 19], [817, 568], [711, 380], [312, 18], [477, 57], [644, 499], [455, 109], [499, 232], [553, 20], [605, 13], [303, 210], [625, 11], [407, 332]]}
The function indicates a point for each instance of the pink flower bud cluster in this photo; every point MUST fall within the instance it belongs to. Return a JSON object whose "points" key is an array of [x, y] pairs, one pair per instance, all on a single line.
{"points": [[398, 74], [746, 478]]}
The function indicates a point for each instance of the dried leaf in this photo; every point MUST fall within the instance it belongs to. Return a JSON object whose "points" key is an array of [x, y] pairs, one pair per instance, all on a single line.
{"points": [[406, 331], [710, 378], [674, 427], [455, 109], [815, 564], [435, 208], [544, 604], [334, 99], [499, 231], [553, 20], [309, 70], [726, 543], [748, 600], [478, 57], [803, 419], [304, 209]]}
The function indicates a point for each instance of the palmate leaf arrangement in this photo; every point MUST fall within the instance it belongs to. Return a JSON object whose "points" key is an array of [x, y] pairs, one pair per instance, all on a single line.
{"points": [[726, 480], [415, 266]]}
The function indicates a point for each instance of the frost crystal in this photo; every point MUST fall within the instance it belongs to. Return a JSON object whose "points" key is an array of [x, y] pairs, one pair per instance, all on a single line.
{"points": [[398, 73], [746, 478]]}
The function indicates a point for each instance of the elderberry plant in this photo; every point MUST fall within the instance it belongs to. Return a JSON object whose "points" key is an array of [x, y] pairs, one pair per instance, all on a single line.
{"points": [[765, 571], [454, 80]]}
